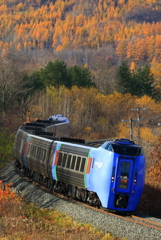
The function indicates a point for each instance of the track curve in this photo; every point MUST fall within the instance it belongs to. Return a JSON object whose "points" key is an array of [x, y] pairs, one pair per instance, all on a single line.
{"points": [[131, 227]]}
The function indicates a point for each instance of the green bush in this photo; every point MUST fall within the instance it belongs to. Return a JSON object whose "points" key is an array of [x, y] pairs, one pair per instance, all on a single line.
{"points": [[6, 146]]}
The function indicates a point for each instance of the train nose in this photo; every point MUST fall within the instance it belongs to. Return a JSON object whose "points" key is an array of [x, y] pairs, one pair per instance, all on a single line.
{"points": [[121, 201]]}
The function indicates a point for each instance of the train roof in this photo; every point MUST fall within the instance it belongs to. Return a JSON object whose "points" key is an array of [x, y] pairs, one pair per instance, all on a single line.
{"points": [[38, 128], [124, 141], [58, 117], [42, 125]]}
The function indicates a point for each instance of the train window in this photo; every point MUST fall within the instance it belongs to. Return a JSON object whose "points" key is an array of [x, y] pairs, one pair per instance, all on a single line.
{"points": [[19, 144], [127, 150], [44, 154], [64, 159], [41, 153], [82, 164], [78, 163], [68, 160], [140, 151], [73, 162], [35, 151], [60, 157], [109, 147], [124, 178], [32, 150], [38, 153]]}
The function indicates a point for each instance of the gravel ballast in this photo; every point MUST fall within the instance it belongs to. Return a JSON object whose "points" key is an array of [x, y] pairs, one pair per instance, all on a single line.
{"points": [[114, 225]]}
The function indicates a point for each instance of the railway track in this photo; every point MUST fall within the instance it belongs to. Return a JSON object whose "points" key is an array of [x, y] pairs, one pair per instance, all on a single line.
{"points": [[146, 222], [133, 218], [131, 227]]}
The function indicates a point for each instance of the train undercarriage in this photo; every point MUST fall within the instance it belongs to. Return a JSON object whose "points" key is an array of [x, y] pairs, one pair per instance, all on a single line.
{"points": [[62, 188]]}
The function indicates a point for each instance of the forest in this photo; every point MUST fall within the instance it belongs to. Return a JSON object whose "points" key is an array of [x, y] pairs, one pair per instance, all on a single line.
{"points": [[96, 62], [98, 33]]}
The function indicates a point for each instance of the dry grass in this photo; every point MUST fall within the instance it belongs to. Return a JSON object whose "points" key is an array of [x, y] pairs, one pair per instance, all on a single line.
{"points": [[150, 203], [19, 221]]}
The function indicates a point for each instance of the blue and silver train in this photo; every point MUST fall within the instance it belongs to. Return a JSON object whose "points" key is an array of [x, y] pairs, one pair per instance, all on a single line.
{"points": [[106, 174]]}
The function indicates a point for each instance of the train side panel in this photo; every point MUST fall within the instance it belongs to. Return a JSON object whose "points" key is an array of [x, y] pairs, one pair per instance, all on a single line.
{"points": [[139, 181], [100, 174], [70, 164], [36, 154], [19, 145], [62, 130], [84, 167]]}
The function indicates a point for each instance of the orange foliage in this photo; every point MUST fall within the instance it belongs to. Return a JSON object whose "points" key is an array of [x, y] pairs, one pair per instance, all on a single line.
{"points": [[132, 66], [149, 103], [130, 50], [154, 172], [6, 194], [121, 49], [158, 47], [75, 24]]}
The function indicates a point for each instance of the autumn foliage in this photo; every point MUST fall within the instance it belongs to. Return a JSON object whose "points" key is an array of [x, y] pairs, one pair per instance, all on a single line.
{"points": [[26, 221], [132, 30], [151, 199], [154, 172], [6, 195]]}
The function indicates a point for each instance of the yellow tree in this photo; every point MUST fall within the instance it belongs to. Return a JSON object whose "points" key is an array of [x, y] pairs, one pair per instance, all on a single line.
{"points": [[156, 70], [140, 49], [121, 50], [19, 46], [130, 51], [132, 66], [150, 43], [154, 171], [158, 47]]}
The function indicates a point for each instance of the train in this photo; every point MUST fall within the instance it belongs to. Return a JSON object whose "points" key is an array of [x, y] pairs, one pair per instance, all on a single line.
{"points": [[107, 174], [58, 125]]}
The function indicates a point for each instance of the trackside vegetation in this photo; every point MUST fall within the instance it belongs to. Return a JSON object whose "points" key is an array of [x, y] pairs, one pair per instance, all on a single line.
{"points": [[19, 220], [6, 146]]}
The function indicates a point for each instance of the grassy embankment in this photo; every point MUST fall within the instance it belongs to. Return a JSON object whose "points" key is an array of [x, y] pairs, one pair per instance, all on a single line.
{"points": [[19, 220]]}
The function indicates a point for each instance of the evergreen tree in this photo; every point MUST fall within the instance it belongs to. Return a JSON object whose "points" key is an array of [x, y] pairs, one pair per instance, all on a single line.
{"points": [[124, 79], [144, 82], [33, 82], [80, 76], [138, 83], [55, 74]]}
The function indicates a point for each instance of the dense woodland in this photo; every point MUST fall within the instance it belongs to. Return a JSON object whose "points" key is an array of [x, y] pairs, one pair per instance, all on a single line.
{"points": [[97, 33], [98, 62]]}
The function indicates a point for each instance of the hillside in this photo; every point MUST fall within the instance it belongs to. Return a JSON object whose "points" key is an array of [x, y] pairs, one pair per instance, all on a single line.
{"points": [[113, 30]]}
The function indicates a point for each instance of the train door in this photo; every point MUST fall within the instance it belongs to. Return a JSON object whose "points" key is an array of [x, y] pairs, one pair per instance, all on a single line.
{"points": [[124, 177]]}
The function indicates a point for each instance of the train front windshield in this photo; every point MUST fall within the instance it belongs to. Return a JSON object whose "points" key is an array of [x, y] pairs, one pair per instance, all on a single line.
{"points": [[124, 178], [127, 150], [124, 149]]}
